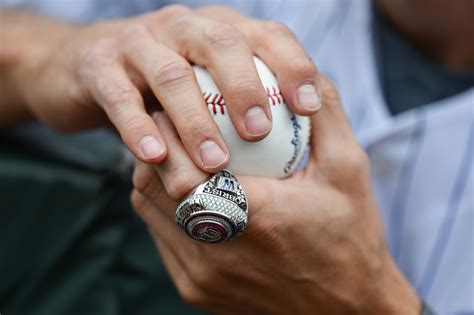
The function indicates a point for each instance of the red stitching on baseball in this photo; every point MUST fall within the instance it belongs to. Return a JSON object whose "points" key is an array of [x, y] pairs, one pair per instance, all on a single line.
{"points": [[216, 102]]}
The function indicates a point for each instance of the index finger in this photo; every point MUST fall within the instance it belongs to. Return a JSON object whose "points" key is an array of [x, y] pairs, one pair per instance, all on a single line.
{"points": [[172, 81]]}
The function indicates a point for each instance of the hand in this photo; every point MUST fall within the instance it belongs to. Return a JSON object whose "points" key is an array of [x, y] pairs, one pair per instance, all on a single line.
{"points": [[89, 75], [314, 242]]}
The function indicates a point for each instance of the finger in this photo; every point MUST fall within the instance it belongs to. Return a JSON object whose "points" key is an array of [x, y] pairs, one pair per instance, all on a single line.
{"points": [[260, 191], [109, 84], [330, 127], [167, 237], [148, 184], [276, 44], [184, 250], [193, 266], [178, 172], [175, 269], [187, 289], [172, 81], [222, 49], [178, 175], [336, 153], [153, 214], [150, 197], [148, 212]]}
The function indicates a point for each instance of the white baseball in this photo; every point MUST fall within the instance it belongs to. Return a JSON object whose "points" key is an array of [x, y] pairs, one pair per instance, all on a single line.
{"points": [[280, 153]]}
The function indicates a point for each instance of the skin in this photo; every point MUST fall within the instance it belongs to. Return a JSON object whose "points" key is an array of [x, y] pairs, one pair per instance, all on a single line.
{"points": [[113, 73], [321, 224], [314, 242]]}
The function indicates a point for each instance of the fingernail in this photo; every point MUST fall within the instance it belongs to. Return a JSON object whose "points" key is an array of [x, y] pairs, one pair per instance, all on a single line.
{"points": [[256, 121], [309, 98], [155, 116], [211, 154], [150, 147]]}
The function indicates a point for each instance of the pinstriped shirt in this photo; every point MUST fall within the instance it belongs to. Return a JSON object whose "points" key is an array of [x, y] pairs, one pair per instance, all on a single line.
{"points": [[422, 159]]}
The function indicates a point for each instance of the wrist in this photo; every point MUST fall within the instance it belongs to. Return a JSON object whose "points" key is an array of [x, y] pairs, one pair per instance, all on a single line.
{"points": [[393, 294], [27, 42], [29, 39]]}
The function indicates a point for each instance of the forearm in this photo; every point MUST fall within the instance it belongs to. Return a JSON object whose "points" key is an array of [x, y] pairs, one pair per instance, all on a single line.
{"points": [[26, 41]]}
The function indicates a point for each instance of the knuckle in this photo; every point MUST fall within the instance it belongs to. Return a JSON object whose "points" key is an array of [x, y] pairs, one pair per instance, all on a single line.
{"points": [[358, 161], [191, 295], [93, 54], [274, 28], [141, 179], [221, 35], [174, 11], [91, 57], [331, 94], [246, 90], [132, 125], [271, 31], [138, 203], [349, 164], [182, 23], [202, 275], [144, 181], [133, 30], [198, 123], [118, 95], [304, 68], [219, 10], [173, 73], [179, 185], [136, 199]]}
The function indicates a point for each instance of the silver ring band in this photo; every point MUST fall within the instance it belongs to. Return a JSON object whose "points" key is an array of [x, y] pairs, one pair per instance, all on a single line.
{"points": [[216, 211]]}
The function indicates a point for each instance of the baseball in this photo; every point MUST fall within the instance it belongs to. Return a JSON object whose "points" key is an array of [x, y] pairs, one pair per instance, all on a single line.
{"points": [[280, 153]]}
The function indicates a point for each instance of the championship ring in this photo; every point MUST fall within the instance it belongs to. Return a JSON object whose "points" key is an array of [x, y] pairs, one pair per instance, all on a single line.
{"points": [[216, 211]]}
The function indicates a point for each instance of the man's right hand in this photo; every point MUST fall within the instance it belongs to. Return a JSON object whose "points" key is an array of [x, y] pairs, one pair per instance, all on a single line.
{"points": [[87, 76]]}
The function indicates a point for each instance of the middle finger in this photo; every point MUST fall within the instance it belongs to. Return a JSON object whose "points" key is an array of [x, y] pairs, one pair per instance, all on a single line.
{"points": [[223, 50]]}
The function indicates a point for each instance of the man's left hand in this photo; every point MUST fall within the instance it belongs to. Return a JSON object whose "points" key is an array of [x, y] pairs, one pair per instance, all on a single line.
{"points": [[314, 242]]}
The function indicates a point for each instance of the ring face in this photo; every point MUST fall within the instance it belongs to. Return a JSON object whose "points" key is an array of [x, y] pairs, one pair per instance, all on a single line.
{"points": [[216, 211]]}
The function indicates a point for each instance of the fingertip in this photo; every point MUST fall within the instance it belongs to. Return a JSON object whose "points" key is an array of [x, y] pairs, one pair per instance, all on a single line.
{"points": [[300, 85], [213, 155], [135, 196], [304, 99], [214, 158], [157, 116], [257, 124], [151, 149], [308, 98]]}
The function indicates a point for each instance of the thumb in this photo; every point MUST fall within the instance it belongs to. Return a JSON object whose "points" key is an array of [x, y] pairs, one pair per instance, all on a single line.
{"points": [[330, 130]]}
